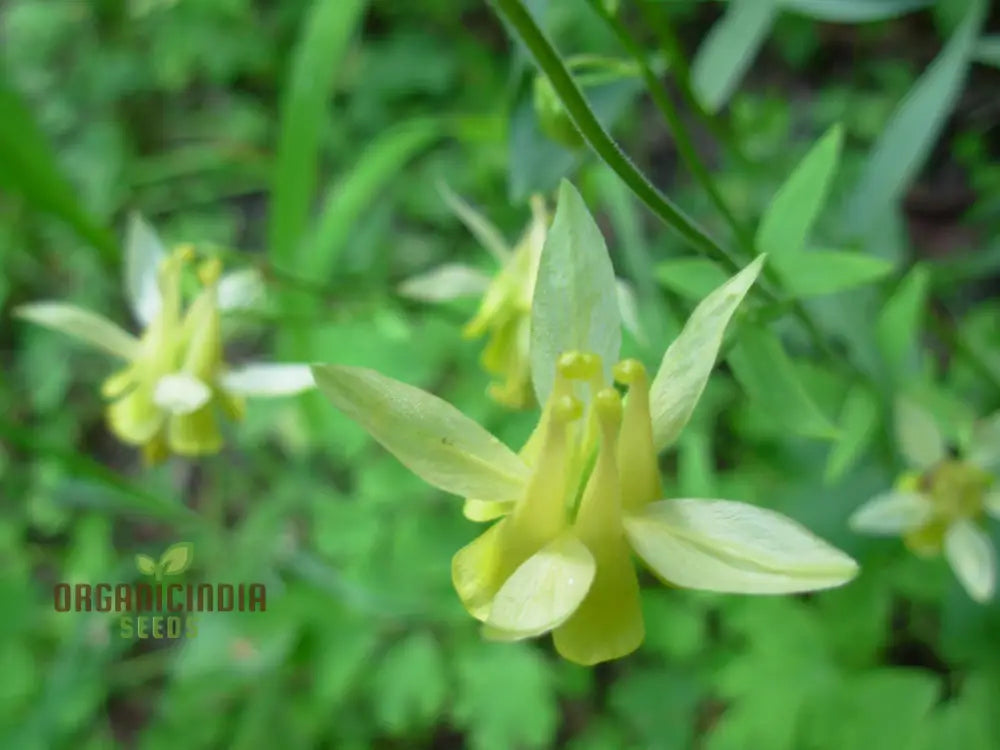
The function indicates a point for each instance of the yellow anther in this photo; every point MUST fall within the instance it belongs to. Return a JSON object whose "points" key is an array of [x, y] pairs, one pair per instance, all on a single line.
{"points": [[579, 365], [567, 408], [629, 372], [184, 253], [209, 271], [608, 403]]}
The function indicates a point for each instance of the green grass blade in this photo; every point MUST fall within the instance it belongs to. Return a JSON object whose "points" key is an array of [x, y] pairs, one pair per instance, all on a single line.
{"points": [[28, 167], [322, 43], [346, 200], [729, 49], [913, 128]]}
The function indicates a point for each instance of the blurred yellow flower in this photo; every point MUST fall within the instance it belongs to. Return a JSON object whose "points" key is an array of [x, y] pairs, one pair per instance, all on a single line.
{"points": [[167, 397], [504, 315], [941, 503]]}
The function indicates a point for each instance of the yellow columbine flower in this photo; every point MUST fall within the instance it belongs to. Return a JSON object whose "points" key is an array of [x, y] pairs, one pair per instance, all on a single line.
{"points": [[504, 315], [584, 493], [941, 503], [167, 396]]}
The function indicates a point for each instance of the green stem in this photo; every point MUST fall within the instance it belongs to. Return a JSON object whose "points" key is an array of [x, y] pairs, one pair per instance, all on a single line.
{"points": [[600, 141], [604, 146], [682, 139], [958, 344], [659, 21]]}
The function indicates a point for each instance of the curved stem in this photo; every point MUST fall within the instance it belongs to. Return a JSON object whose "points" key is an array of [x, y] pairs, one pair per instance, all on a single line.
{"points": [[682, 139], [657, 19], [600, 141]]}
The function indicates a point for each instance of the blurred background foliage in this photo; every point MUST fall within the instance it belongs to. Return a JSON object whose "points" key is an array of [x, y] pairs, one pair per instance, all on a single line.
{"points": [[311, 138]]}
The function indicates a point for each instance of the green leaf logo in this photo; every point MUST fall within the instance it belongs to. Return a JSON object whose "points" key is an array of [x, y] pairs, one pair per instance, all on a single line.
{"points": [[177, 558], [145, 564], [174, 561]]}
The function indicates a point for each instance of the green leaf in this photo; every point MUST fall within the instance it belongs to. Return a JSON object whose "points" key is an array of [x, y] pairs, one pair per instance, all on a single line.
{"points": [[870, 698], [726, 546], [694, 278], [324, 38], [379, 163], [689, 360], [853, 11], [787, 221], [596, 135], [984, 445], [145, 564], [727, 52], [657, 705], [767, 374], [575, 304], [818, 272], [781, 638], [913, 128], [94, 329], [505, 698], [28, 167], [988, 50], [966, 720], [410, 685], [429, 436], [858, 426], [479, 225], [899, 325], [177, 558]]}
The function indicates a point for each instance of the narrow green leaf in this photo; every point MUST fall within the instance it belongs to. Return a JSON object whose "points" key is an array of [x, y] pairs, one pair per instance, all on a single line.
{"points": [[694, 278], [597, 137], [898, 328], [817, 272], [913, 128], [117, 496], [575, 305], [853, 11], [858, 425], [379, 163], [768, 375], [323, 41], [727, 52], [28, 167], [429, 436], [478, 225], [787, 221], [987, 50]]}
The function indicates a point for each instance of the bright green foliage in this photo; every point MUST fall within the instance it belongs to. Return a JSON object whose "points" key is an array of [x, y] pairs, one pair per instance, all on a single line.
{"points": [[767, 373], [330, 142], [785, 225]]}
